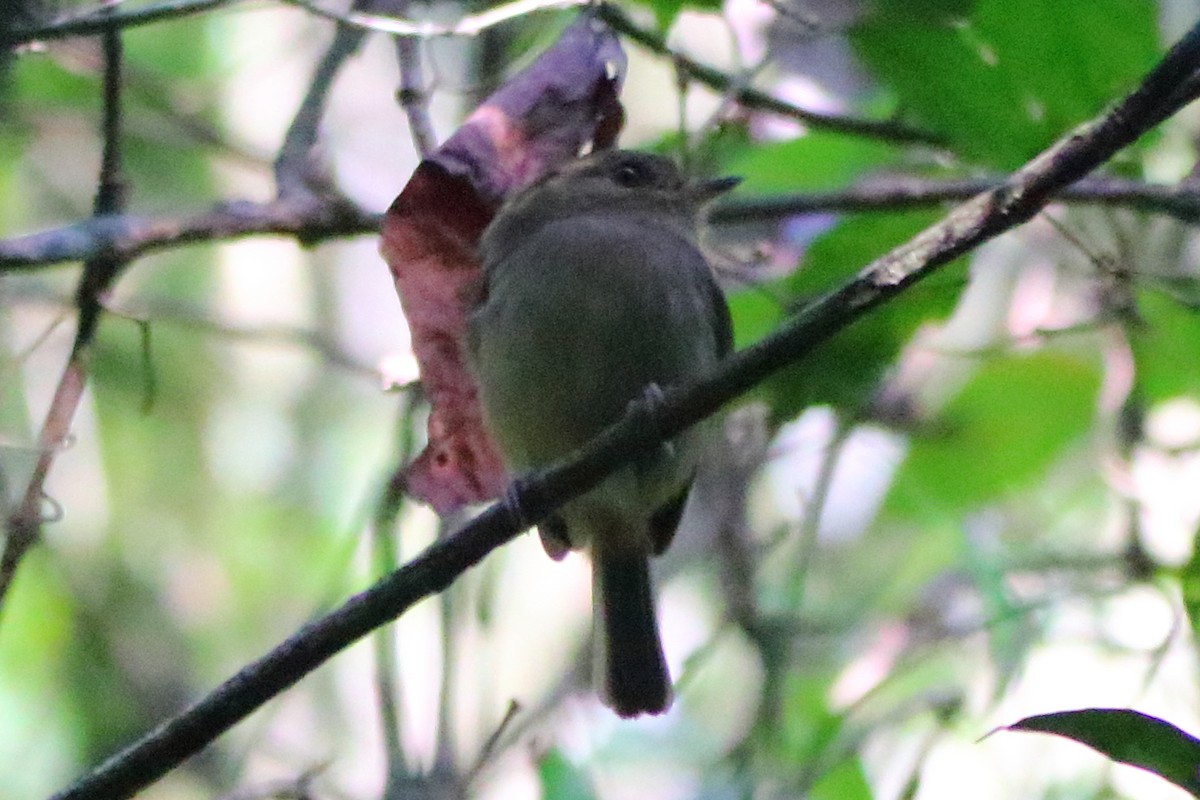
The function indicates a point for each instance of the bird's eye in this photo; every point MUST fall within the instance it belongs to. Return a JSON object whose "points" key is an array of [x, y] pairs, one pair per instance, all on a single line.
{"points": [[630, 175]]}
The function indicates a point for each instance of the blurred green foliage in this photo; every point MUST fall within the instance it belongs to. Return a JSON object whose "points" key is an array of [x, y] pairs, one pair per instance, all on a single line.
{"points": [[1001, 80]]}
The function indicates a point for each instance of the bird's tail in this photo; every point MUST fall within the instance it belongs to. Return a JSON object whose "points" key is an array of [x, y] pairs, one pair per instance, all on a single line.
{"points": [[630, 671]]}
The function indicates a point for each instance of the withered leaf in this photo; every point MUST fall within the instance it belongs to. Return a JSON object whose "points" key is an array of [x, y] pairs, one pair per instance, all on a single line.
{"points": [[540, 118]]}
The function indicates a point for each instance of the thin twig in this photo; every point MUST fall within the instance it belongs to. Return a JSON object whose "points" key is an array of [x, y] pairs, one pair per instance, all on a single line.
{"points": [[537, 495], [160, 312], [386, 559], [470, 25], [739, 82], [323, 346], [814, 509], [449, 608], [749, 97], [413, 98], [297, 169], [491, 746]]}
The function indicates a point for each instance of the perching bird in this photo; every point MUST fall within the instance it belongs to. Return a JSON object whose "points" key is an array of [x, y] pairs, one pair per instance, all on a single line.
{"points": [[596, 292]]}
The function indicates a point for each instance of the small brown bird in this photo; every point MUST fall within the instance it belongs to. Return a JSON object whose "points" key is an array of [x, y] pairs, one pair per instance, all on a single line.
{"points": [[596, 292]]}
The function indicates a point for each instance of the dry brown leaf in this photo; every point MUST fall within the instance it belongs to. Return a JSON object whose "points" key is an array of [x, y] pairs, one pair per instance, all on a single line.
{"points": [[541, 117]]}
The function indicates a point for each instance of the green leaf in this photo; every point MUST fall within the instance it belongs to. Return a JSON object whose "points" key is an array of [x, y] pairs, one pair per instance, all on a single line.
{"points": [[809, 728], [999, 434], [563, 780], [1129, 737], [1189, 584], [930, 11], [845, 371], [40, 76], [175, 51], [814, 162], [756, 312], [846, 781], [1001, 79], [1166, 348], [665, 11]]}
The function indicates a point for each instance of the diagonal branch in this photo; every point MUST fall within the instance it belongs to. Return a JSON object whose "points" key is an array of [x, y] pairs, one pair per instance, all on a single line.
{"points": [[537, 495]]}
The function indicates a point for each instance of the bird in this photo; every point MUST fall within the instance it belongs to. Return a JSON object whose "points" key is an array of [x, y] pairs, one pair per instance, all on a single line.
{"points": [[596, 293]]}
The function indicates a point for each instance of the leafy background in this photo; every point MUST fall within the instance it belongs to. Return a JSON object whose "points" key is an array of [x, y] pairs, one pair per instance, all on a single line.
{"points": [[974, 506]]}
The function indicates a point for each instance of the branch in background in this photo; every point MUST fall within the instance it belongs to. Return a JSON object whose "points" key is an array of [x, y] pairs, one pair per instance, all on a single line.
{"points": [[322, 345], [112, 197], [308, 219], [385, 559], [312, 220], [1181, 201], [97, 20], [534, 497], [413, 98], [298, 171], [749, 97], [111, 240], [24, 524], [470, 25]]}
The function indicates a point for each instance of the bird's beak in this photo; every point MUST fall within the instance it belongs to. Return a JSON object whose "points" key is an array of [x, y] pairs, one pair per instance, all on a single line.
{"points": [[713, 188]]}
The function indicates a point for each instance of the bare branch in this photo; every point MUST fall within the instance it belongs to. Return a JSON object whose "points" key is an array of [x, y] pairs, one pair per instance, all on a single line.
{"points": [[312, 220], [98, 20], [297, 168], [537, 495], [1180, 201], [309, 219]]}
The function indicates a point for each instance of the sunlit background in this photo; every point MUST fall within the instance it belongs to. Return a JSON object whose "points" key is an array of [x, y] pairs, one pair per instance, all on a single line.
{"points": [[938, 527]]}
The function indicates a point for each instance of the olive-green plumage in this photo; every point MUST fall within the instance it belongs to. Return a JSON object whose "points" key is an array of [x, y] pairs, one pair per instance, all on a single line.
{"points": [[595, 292]]}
